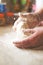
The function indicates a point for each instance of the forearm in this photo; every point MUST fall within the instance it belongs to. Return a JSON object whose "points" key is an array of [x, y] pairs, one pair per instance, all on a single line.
{"points": [[39, 15], [34, 19]]}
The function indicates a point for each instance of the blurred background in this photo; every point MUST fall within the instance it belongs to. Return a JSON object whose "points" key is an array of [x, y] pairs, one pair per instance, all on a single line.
{"points": [[19, 5], [8, 8]]}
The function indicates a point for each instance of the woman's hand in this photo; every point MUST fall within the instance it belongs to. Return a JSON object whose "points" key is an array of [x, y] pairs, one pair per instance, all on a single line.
{"points": [[34, 40]]}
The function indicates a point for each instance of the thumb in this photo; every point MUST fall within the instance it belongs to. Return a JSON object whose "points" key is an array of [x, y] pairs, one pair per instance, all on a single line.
{"points": [[28, 31]]}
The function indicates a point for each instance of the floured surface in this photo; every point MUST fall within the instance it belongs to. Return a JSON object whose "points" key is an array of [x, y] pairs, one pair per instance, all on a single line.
{"points": [[11, 55]]}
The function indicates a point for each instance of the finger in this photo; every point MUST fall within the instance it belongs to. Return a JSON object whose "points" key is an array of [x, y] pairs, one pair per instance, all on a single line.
{"points": [[24, 15], [18, 44], [34, 35], [28, 30], [41, 23], [22, 44]]}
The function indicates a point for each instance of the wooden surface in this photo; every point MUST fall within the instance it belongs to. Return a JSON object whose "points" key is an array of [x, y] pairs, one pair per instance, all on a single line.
{"points": [[11, 55]]}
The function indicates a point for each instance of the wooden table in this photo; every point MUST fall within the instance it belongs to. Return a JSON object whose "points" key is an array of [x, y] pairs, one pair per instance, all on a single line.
{"points": [[11, 55]]}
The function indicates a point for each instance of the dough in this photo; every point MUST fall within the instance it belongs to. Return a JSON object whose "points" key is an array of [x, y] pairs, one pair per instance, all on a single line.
{"points": [[24, 22]]}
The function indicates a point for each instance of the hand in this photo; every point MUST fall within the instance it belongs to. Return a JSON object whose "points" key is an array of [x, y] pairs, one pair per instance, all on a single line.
{"points": [[29, 20], [34, 40], [32, 19]]}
